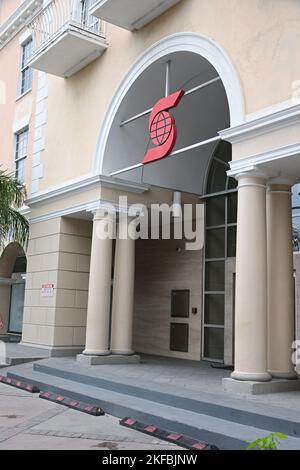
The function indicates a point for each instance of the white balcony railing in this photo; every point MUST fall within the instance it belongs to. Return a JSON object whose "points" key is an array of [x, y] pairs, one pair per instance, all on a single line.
{"points": [[57, 15]]}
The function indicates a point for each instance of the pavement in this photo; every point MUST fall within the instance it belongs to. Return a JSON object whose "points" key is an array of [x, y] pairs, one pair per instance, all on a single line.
{"points": [[30, 423], [185, 397]]}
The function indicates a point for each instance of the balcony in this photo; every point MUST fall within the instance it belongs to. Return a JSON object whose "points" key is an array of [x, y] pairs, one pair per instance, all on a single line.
{"points": [[130, 14], [66, 38]]}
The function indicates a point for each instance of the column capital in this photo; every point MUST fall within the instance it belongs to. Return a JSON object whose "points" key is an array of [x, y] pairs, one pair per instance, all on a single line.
{"points": [[253, 180], [282, 181], [251, 174], [104, 214], [250, 171]]}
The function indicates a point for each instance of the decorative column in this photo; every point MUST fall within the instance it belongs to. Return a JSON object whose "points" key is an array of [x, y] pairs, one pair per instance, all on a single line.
{"points": [[281, 295], [251, 281], [98, 314], [123, 291]]}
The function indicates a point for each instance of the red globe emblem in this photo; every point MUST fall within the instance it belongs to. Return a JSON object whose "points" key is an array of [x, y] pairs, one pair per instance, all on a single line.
{"points": [[161, 127]]}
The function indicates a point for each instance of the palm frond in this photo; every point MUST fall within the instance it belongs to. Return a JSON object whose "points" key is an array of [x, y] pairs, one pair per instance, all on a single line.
{"points": [[13, 225]]}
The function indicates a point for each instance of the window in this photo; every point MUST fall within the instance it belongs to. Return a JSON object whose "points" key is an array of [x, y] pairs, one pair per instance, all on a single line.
{"points": [[220, 244], [21, 154], [87, 19], [26, 72]]}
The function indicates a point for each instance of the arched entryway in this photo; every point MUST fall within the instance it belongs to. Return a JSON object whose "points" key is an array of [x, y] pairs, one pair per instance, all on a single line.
{"points": [[212, 101], [12, 290]]}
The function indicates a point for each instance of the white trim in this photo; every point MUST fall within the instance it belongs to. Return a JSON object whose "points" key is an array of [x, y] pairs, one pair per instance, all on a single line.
{"points": [[17, 21], [190, 42], [85, 207], [262, 125], [19, 97], [25, 37], [39, 131], [90, 206], [253, 162], [87, 181], [281, 106]]}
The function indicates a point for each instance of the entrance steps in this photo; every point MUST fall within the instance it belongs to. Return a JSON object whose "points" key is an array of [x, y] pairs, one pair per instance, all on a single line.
{"points": [[220, 419]]}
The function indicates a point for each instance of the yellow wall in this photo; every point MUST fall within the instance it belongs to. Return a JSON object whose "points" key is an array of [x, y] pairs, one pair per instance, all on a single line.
{"points": [[7, 7], [261, 37], [13, 108]]}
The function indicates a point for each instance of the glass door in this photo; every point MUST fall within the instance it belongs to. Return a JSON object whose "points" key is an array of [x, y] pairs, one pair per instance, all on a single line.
{"points": [[16, 308]]}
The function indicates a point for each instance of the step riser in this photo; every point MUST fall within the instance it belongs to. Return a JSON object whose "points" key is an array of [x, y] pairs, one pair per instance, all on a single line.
{"points": [[217, 411], [119, 411]]}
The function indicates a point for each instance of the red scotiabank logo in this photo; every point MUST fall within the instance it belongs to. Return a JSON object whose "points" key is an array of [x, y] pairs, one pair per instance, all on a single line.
{"points": [[162, 128]]}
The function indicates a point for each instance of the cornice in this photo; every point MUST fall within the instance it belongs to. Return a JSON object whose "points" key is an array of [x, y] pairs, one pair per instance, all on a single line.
{"points": [[85, 183], [262, 125], [18, 20]]}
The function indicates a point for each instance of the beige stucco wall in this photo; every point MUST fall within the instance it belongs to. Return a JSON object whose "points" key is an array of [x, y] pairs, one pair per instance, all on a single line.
{"points": [[7, 7], [15, 111], [260, 37], [58, 253]]}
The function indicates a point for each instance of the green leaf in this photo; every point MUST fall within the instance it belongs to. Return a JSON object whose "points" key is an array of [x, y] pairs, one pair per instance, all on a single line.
{"points": [[13, 225], [280, 435], [270, 442], [253, 444]]}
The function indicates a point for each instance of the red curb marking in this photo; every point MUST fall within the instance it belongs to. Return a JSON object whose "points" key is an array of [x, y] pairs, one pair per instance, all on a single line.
{"points": [[199, 446], [150, 428], [73, 403], [131, 422], [174, 437]]}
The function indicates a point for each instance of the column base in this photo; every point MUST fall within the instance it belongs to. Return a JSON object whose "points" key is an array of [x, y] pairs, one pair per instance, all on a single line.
{"points": [[259, 388], [251, 376], [119, 352], [96, 352], [108, 359], [292, 375]]}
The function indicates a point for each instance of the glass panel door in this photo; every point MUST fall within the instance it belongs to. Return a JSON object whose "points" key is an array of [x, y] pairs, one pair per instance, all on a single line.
{"points": [[16, 308]]}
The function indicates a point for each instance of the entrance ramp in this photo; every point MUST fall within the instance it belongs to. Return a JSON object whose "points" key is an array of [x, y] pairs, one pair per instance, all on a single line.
{"points": [[13, 353], [161, 397]]}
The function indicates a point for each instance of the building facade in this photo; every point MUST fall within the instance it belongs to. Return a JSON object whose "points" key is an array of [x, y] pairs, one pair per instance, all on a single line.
{"points": [[86, 77]]}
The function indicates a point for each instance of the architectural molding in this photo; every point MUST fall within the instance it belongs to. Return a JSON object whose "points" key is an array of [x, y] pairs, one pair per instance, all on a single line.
{"points": [[86, 182], [263, 124], [254, 162], [39, 131], [18, 20], [105, 205], [189, 42]]}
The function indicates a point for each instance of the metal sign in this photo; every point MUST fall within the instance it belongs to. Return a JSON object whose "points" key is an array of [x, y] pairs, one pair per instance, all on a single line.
{"points": [[162, 128], [47, 290]]}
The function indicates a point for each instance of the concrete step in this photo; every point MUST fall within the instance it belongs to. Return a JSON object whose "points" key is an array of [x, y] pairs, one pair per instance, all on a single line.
{"points": [[225, 434], [225, 407]]}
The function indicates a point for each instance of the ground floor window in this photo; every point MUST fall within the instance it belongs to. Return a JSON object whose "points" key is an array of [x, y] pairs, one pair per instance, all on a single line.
{"points": [[220, 244]]}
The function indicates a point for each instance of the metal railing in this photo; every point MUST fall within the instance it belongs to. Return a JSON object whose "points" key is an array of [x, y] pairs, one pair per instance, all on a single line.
{"points": [[57, 15]]}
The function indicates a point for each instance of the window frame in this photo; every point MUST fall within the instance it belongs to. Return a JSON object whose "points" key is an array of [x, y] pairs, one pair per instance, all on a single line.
{"points": [[17, 157], [24, 68]]}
